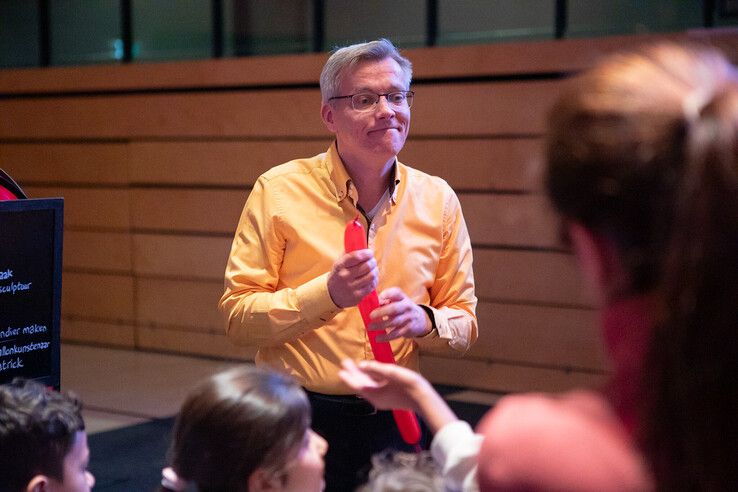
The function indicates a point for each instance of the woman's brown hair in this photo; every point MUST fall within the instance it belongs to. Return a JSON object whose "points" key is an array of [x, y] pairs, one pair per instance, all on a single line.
{"points": [[236, 422], [643, 150]]}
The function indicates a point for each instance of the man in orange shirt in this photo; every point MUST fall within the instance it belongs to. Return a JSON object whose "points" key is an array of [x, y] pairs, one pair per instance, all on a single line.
{"points": [[291, 289]]}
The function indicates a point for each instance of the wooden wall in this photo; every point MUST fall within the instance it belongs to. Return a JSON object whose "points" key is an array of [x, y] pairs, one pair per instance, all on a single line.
{"points": [[155, 162]]}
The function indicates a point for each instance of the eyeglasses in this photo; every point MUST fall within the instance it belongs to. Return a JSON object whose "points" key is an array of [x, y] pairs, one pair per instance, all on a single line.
{"points": [[365, 101]]}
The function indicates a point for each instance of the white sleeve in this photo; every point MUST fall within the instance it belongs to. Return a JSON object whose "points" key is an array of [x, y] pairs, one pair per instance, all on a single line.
{"points": [[455, 447]]}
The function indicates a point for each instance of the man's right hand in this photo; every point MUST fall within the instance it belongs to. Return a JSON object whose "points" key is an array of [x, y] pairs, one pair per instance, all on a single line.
{"points": [[353, 276]]}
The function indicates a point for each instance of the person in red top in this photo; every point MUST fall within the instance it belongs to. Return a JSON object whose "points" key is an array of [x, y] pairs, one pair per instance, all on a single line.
{"points": [[642, 157], [9, 189], [5, 194]]}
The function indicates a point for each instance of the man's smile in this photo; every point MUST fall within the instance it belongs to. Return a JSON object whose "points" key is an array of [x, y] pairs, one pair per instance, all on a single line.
{"points": [[384, 129]]}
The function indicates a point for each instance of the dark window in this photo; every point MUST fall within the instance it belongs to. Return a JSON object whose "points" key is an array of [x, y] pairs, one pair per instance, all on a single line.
{"points": [[260, 27], [402, 22], [589, 18], [470, 21], [84, 31], [172, 29], [19, 33]]}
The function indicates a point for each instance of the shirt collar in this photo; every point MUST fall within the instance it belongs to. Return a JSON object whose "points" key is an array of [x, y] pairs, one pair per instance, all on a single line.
{"points": [[342, 180]]}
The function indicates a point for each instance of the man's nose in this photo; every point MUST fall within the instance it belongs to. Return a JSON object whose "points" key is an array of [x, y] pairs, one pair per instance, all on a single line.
{"points": [[383, 106]]}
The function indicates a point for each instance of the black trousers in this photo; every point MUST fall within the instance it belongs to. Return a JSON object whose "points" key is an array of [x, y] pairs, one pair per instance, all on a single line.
{"points": [[355, 431]]}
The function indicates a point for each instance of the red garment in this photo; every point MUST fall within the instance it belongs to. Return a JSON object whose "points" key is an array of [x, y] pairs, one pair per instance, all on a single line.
{"points": [[5, 194], [582, 440], [627, 328]]}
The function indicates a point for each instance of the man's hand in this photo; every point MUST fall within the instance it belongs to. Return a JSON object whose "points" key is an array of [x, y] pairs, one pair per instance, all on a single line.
{"points": [[400, 316], [352, 277]]}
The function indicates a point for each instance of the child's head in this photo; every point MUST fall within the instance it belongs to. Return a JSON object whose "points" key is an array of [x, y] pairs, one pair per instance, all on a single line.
{"points": [[247, 429], [397, 471], [43, 440]]}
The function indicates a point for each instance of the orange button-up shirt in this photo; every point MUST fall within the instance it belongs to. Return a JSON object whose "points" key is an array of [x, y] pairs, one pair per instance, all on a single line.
{"points": [[290, 234]]}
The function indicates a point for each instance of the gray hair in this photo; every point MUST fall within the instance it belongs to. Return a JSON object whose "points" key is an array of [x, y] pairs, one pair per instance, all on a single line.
{"points": [[399, 471], [346, 58]]}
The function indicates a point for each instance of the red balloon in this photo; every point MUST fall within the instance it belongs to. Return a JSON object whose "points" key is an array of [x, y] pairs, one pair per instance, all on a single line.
{"points": [[354, 238]]}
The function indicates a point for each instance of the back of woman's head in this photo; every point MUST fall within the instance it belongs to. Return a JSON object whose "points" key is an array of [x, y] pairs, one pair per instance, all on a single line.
{"points": [[643, 151], [236, 422]]}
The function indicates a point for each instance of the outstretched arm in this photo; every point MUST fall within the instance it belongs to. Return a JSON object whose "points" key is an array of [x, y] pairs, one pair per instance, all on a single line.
{"points": [[389, 386], [455, 446]]}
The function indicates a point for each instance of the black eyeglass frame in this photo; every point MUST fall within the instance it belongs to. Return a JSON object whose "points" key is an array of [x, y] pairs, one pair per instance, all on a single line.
{"points": [[409, 95]]}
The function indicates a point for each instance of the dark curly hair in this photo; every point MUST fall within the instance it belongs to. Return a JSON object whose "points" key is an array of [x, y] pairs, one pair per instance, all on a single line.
{"points": [[37, 430]]}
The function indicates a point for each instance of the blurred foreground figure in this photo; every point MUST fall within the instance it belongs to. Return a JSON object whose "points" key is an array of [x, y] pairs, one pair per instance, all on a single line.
{"points": [[643, 171]]}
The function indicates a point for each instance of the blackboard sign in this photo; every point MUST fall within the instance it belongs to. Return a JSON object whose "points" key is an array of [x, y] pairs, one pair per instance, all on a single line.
{"points": [[30, 289]]}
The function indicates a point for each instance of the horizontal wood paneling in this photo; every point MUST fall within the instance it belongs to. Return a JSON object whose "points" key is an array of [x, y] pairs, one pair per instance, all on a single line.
{"points": [[529, 277], [97, 164], [203, 163], [103, 251], [188, 257], [494, 376], [510, 220], [191, 305], [102, 208], [475, 108], [253, 113], [97, 295], [518, 333], [483, 108], [98, 333], [187, 342], [478, 163], [214, 211]]}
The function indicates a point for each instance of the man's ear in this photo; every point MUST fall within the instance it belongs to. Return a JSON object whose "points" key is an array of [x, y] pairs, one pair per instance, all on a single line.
{"points": [[327, 114], [598, 259], [262, 481], [39, 483]]}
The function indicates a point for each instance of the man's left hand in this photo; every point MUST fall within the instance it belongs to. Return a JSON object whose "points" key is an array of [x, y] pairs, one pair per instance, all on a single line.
{"points": [[400, 316]]}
